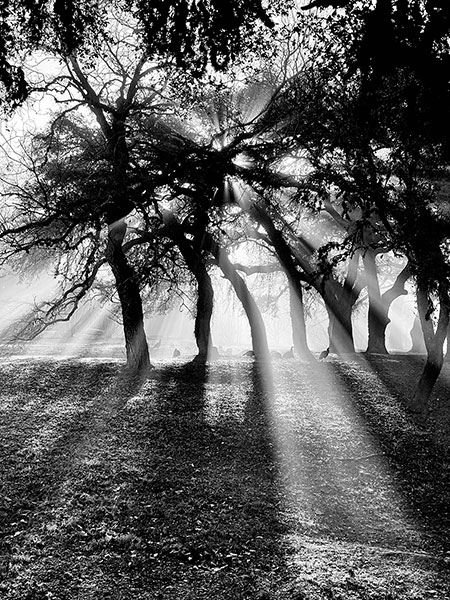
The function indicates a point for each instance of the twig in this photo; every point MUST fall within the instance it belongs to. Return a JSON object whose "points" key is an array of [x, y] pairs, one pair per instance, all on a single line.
{"points": [[358, 458]]}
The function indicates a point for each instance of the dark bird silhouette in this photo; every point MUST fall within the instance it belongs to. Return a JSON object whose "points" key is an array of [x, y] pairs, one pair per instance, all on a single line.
{"points": [[176, 353], [324, 354], [249, 353], [289, 353]]}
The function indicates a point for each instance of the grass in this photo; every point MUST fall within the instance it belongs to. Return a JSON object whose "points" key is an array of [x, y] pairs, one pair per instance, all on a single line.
{"points": [[220, 483]]}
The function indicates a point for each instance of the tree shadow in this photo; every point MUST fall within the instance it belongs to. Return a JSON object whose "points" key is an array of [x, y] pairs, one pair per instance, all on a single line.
{"points": [[386, 368], [209, 502], [330, 494], [49, 413], [419, 464], [171, 485]]}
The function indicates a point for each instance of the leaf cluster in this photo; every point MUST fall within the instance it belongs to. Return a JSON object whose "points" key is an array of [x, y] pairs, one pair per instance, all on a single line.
{"points": [[195, 34]]}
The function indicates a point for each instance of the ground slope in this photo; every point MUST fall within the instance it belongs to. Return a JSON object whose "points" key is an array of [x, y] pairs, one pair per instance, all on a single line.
{"points": [[297, 482]]}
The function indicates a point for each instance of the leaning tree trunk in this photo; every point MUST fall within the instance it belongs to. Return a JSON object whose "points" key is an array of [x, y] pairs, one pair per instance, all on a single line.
{"points": [[380, 304], [297, 311], [205, 293], [434, 342], [205, 298], [138, 359], [339, 301], [257, 327], [377, 318], [337, 298], [387, 298]]}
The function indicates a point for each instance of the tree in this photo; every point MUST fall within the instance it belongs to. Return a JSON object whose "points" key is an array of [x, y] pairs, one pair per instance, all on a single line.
{"points": [[138, 359], [393, 131], [380, 302], [195, 173], [111, 94], [195, 261], [257, 328], [205, 172], [194, 34]]}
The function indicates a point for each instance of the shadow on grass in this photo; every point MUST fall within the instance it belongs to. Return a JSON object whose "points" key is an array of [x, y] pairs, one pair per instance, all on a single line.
{"points": [[399, 373], [45, 413], [48, 412], [170, 487], [119, 487], [209, 499], [419, 463]]}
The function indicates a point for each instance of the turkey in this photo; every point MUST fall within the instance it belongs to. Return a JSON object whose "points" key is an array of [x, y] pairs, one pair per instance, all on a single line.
{"points": [[324, 354]]}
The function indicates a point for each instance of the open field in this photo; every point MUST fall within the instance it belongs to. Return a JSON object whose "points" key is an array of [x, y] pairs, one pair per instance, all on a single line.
{"points": [[305, 482]]}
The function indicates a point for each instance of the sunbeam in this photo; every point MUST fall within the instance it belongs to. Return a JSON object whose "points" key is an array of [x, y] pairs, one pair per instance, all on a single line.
{"points": [[336, 478]]}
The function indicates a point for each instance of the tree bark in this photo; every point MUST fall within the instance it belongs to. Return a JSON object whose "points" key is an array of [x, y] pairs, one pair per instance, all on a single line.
{"points": [[377, 317], [339, 301], [298, 324], [192, 256], [379, 304], [335, 296], [257, 327], [205, 298], [434, 342], [138, 358]]}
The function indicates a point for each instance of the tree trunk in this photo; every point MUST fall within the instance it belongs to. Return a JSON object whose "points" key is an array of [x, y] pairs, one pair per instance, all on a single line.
{"points": [[138, 359], [298, 324], [380, 304], [388, 297], [205, 300], [377, 318], [205, 293], [340, 329], [202, 329], [336, 297], [434, 342], [417, 339], [339, 301], [257, 327]]}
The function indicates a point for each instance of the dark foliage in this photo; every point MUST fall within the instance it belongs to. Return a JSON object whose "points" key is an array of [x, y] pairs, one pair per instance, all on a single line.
{"points": [[194, 33]]}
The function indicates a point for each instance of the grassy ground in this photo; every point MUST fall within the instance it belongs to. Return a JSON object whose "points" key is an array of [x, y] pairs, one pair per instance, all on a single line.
{"points": [[221, 483]]}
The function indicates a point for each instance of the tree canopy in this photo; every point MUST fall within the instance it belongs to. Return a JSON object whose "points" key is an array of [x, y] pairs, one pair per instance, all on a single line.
{"points": [[324, 156], [195, 34]]}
